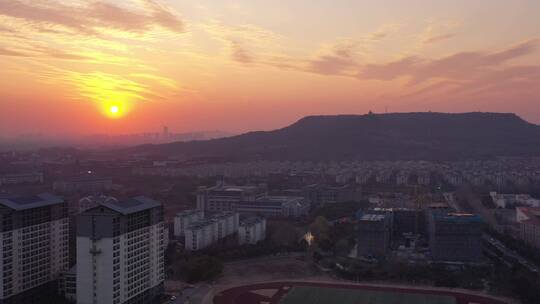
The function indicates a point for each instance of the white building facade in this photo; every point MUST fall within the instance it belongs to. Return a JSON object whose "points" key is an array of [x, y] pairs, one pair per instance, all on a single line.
{"points": [[184, 219], [120, 252], [204, 233], [510, 200]]}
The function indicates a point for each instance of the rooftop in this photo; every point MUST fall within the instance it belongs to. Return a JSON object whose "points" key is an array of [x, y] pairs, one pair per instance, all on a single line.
{"points": [[84, 178], [223, 214], [251, 221], [131, 205], [188, 212], [231, 188], [457, 217], [201, 224], [533, 215], [372, 217], [30, 201]]}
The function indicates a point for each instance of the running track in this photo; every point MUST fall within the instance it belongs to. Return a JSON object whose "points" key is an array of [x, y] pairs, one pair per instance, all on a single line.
{"points": [[243, 294]]}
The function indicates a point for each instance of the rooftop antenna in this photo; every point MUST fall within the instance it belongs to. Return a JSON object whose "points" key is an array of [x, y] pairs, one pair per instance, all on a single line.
{"points": [[386, 109]]}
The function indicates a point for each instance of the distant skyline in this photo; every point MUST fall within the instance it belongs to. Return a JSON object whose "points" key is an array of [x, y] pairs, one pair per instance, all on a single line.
{"points": [[120, 67]]}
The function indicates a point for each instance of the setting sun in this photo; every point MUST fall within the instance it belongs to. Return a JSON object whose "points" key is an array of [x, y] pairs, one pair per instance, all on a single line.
{"points": [[113, 109]]}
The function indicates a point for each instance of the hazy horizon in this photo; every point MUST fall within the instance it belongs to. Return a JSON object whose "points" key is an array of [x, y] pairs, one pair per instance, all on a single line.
{"points": [[159, 131]]}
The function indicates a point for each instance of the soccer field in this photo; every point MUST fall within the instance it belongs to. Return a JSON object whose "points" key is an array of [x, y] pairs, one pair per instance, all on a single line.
{"points": [[319, 295]]}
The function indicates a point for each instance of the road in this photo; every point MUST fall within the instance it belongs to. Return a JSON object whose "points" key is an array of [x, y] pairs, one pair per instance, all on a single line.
{"points": [[267, 258], [510, 254], [192, 295]]}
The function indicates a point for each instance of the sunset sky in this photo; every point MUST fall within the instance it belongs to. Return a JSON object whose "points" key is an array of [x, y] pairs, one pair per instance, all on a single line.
{"points": [[255, 65]]}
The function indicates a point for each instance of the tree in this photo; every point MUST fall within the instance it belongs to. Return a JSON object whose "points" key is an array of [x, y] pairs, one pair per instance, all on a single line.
{"points": [[198, 269], [320, 228], [342, 247]]}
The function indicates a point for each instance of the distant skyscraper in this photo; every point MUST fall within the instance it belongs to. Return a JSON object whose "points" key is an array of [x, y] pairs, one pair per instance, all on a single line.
{"points": [[120, 247], [34, 246], [165, 132]]}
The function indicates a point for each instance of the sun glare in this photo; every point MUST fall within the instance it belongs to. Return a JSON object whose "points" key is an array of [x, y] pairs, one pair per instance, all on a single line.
{"points": [[114, 109]]}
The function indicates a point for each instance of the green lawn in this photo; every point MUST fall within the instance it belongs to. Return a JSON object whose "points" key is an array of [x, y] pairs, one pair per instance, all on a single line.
{"points": [[318, 295]]}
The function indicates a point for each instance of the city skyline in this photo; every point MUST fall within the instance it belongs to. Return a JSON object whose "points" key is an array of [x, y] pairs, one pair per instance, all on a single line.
{"points": [[125, 67]]}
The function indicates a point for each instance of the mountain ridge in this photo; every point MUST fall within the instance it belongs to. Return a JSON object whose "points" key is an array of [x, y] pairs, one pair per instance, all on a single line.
{"points": [[392, 136]]}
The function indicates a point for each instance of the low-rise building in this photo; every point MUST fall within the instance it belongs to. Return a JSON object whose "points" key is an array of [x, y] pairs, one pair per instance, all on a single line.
{"points": [[184, 219], [67, 284], [200, 235], [88, 183], [252, 230], [511, 200], [424, 178], [529, 225], [402, 178], [21, 178], [203, 233]]}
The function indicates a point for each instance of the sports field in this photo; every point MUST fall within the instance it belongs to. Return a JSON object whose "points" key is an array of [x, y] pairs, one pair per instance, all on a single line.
{"points": [[333, 293], [318, 295]]}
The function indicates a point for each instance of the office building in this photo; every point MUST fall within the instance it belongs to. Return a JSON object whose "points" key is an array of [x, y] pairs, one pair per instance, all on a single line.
{"points": [[120, 248], [374, 232], [184, 219], [252, 230], [274, 206], [222, 197], [34, 250], [405, 221], [455, 237], [250, 200]]}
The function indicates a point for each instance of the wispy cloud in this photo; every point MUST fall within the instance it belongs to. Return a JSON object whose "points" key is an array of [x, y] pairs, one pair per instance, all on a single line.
{"points": [[438, 38], [456, 66], [91, 17], [240, 54], [8, 52], [338, 61]]}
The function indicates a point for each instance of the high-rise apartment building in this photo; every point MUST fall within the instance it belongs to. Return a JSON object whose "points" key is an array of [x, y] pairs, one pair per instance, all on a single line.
{"points": [[120, 252], [33, 245]]}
